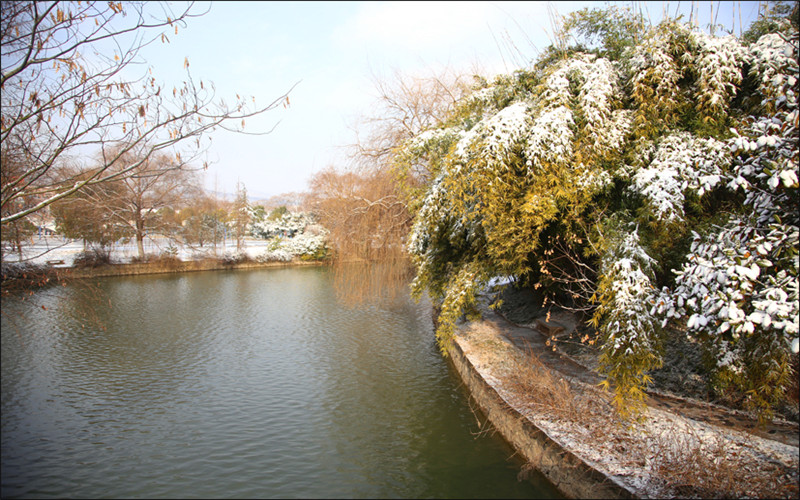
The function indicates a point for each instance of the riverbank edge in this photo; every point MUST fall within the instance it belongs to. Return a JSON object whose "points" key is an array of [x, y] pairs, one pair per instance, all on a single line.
{"points": [[40, 276], [571, 475], [182, 267]]}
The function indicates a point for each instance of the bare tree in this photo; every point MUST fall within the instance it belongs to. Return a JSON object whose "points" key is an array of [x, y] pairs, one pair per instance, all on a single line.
{"points": [[365, 206], [364, 213], [131, 205], [85, 215], [65, 94], [153, 187], [405, 107], [368, 220]]}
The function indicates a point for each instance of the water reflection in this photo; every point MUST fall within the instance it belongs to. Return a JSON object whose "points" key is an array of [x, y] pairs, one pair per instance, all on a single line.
{"points": [[235, 384]]}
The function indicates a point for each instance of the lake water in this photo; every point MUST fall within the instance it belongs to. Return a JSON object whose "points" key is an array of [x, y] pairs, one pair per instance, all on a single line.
{"points": [[236, 384]]}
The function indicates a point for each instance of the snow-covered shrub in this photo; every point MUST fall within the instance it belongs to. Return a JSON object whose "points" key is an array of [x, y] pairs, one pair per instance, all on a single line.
{"points": [[306, 246], [673, 138], [278, 255], [287, 225], [681, 162], [291, 235], [629, 330], [738, 290], [236, 257]]}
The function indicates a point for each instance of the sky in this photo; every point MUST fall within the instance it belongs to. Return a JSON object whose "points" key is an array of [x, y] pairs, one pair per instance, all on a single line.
{"points": [[329, 53]]}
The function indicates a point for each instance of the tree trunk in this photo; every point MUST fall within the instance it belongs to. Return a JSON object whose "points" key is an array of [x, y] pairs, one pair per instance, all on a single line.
{"points": [[18, 241], [140, 235], [140, 244]]}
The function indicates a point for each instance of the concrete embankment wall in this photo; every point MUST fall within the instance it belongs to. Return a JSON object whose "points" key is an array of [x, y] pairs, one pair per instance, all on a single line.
{"points": [[571, 475], [179, 267]]}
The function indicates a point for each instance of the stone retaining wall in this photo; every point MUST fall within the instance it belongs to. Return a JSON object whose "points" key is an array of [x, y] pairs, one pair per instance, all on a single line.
{"points": [[571, 475]]}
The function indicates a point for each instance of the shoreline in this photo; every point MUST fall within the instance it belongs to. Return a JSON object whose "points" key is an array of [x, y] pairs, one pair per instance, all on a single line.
{"points": [[560, 425], [557, 420], [40, 276], [574, 457], [178, 267], [570, 474]]}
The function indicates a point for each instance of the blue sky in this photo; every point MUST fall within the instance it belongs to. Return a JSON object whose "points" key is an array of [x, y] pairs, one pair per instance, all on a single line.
{"points": [[262, 49]]}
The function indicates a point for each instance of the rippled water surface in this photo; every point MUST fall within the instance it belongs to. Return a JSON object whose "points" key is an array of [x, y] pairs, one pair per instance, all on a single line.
{"points": [[236, 384]]}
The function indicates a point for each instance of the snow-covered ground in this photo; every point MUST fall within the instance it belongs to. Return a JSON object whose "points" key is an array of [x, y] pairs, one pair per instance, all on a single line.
{"points": [[644, 457], [61, 252]]}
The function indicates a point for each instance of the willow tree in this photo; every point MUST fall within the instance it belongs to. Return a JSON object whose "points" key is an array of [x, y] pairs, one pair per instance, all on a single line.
{"points": [[367, 219], [651, 181], [67, 91], [365, 205]]}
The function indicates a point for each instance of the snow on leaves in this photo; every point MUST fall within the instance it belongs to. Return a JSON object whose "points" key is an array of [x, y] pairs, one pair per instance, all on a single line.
{"points": [[739, 291], [738, 288], [680, 162], [291, 236], [674, 50], [496, 134], [629, 328], [545, 122], [774, 61], [655, 74], [767, 149], [627, 270], [603, 126], [736, 282], [524, 160], [551, 138], [719, 61]]}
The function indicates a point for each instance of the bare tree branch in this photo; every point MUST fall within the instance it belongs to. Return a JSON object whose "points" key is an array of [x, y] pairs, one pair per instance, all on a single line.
{"points": [[59, 104]]}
